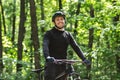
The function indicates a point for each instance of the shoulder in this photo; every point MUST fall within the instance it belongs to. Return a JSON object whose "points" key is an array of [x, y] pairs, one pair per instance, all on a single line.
{"points": [[68, 33], [48, 33]]}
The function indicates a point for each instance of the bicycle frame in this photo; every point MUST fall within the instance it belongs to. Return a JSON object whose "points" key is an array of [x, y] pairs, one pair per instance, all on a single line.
{"points": [[70, 62]]}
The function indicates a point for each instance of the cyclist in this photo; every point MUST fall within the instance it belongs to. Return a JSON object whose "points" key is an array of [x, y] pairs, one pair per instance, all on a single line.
{"points": [[55, 44]]}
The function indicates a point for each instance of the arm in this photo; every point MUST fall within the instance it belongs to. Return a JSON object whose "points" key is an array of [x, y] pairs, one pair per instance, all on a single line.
{"points": [[46, 41], [45, 45], [76, 48]]}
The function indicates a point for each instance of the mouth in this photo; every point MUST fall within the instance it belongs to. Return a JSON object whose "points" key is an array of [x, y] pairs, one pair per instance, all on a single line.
{"points": [[61, 23]]}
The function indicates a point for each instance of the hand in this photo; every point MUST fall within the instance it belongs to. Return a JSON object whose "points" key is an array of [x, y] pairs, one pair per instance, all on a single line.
{"points": [[50, 59], [87, 62]]}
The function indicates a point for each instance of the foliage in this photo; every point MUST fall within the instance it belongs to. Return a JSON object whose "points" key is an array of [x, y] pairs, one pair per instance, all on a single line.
{"points": [[106, 43]]}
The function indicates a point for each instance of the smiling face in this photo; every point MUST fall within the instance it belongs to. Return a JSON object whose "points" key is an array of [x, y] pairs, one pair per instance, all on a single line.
{"points": [[59, 22]]}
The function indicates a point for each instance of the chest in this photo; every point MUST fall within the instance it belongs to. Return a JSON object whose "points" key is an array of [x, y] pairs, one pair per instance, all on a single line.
{"points": [[59, 39]]}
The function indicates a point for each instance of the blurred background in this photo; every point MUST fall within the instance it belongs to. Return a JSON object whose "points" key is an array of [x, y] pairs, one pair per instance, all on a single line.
{"points": [[95, 24]]}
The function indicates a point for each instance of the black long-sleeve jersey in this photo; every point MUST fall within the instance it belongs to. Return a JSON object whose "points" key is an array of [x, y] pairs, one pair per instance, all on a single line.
{"points": [[55, 44]]}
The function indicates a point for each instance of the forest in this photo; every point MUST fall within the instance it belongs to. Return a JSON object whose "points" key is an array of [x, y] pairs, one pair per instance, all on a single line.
{"points": [[95, 25]]}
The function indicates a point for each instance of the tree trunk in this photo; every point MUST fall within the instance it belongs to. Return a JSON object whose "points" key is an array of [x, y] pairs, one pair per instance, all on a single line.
{"points": [[42, 15], [31, 53], [1, 47], [42, 10], [118, 63], [60, 4], [91, 11], [30, 43], [91, 36], [14, 19], [3, 17], [115, 20], [21, 33], [77, 13], [90, 43], [34, 34]]}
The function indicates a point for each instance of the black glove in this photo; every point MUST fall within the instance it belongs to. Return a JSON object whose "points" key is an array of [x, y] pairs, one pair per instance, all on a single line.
{"points": [[87, 62], [50, 59]]}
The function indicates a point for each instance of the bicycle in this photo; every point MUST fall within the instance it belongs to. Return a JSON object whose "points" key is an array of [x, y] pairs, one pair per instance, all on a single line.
{"points": [[70, 75]]}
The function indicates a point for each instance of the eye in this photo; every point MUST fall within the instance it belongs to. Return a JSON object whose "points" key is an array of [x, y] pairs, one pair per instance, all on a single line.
{"points": [[57, 19], [61, 19]]}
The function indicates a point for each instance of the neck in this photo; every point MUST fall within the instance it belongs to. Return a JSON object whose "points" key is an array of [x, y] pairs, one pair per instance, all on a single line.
{"points": [[60, 29]]}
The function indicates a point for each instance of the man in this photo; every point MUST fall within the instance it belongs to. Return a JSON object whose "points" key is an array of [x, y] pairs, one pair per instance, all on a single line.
{"points": [[55, 44]]}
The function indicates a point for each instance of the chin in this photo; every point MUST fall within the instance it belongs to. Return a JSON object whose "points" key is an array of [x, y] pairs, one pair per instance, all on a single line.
{"points": [[60, 27]]}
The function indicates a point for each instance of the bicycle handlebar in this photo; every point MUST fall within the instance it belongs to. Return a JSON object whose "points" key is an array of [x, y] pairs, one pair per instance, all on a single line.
{"points": [[60, 61]]}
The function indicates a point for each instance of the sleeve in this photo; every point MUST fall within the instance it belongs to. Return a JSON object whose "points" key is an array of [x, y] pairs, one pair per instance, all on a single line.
{"points": [[76, 47], [46, 45]]}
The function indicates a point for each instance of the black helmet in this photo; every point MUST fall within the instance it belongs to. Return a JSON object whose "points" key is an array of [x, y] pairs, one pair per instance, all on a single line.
{"points": [[58, 13]]}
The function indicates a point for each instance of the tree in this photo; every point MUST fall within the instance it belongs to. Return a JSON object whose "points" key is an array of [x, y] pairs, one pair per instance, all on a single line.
{"points": [[42, 14], [1, 47], [42, 10], [115, 22], [91, 38], [21, 34], [77, 13], [3, 17], [13, 21], [34, 34], [60, 4]]}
